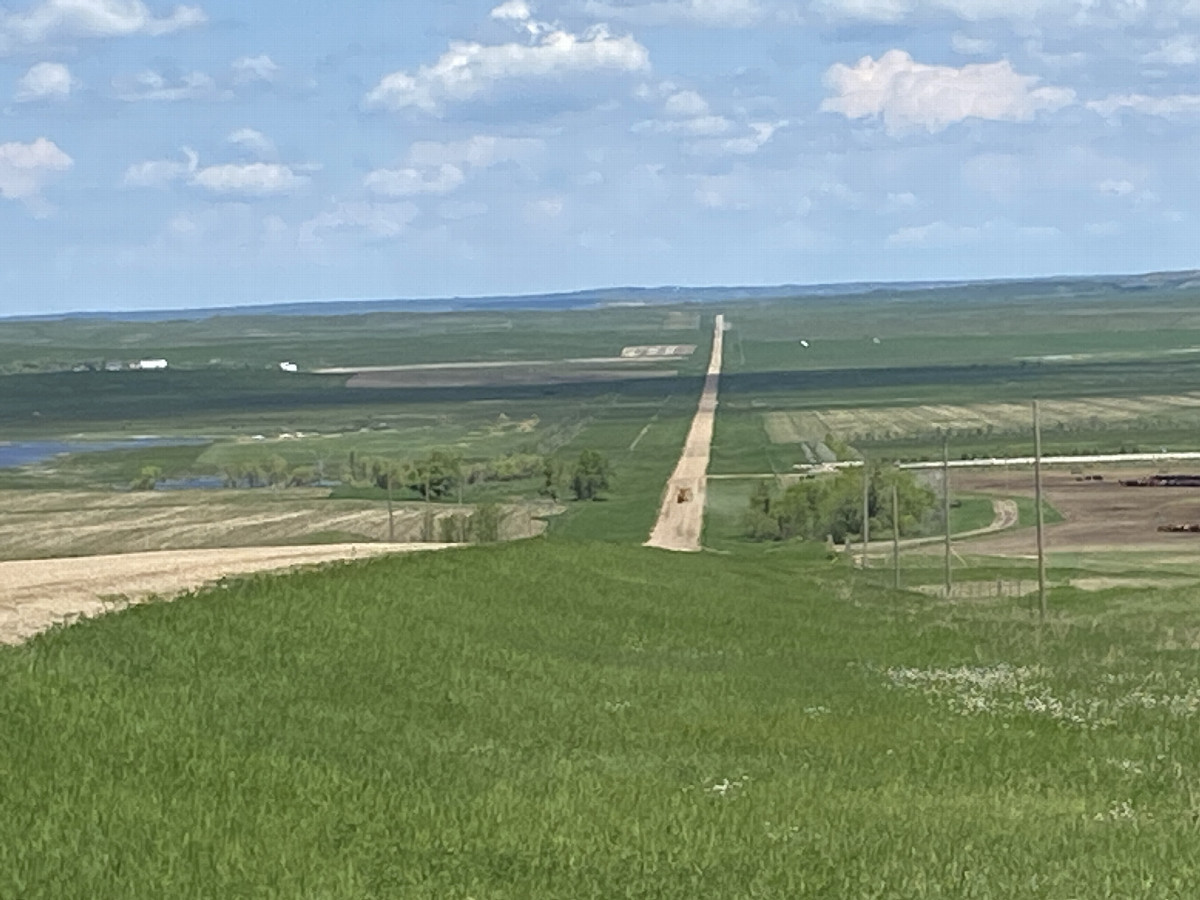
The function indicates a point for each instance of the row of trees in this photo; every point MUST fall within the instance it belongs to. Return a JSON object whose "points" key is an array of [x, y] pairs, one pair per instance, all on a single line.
{"points": [[438, 475], [434, 477], [832, 507]]}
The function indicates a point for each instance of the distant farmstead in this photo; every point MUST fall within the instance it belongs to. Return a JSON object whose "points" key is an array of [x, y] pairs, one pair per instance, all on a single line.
{"points": [[151, 365]]}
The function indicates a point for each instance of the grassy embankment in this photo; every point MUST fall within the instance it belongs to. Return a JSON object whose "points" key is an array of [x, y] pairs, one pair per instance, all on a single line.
{"points": [[555, 719]]}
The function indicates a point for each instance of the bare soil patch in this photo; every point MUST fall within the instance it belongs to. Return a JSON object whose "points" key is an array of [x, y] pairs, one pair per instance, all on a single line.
{"points": [[659, 351], [40, 524], [908, 421], [1099, 514], [36, 595]]}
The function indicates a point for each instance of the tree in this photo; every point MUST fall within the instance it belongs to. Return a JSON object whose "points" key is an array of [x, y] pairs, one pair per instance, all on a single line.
{"points": [[819, 508], [435, 476], [591, 476], [148, 479], [552, 471], [277, 471]]}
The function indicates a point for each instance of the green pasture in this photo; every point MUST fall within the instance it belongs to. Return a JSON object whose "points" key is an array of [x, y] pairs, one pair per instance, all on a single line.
{"points": [[257, 342], [582, 720]]}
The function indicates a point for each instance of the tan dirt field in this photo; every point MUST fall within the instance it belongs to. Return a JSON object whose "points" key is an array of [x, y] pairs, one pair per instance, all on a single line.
{"points": [[36, 595], [680, 524], [40, 524], [907, 421], [1099, 515]]}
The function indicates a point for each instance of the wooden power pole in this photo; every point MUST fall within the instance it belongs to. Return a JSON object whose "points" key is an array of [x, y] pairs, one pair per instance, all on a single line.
{"points": [[949, 577], [391, 515], [895, 537], [866, 511], [1037, 499]]}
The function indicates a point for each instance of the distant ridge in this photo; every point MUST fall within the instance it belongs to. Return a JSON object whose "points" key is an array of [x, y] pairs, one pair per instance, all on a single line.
{"points": [[1019, 288]]}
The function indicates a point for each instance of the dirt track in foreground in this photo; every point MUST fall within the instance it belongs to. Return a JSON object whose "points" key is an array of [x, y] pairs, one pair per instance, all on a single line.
{"points": [[37, 594], [680, 525]]}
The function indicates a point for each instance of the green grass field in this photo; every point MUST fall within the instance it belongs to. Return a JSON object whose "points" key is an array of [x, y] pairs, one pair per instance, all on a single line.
{"points": [[579, 720], [577, 717]]}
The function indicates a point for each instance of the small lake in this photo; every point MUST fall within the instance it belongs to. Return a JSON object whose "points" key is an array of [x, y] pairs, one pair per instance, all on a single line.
{"points": [[26, 453]]}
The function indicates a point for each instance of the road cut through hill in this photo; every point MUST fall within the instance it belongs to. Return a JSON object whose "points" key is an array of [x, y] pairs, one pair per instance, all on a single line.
{"points": [[36, 595]]}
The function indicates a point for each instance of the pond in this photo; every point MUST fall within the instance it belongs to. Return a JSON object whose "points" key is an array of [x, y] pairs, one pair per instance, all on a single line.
{"points": [[26, 453]]}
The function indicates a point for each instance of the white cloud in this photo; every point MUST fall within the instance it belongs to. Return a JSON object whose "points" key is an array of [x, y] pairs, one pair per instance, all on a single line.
{"points": [[935, 234], [254, 68], [150, 85], [744, 146], [94, 18], [45, 81], [439, 168], [907, 94], [253, 141], [1181, 50], [706, 13], [161, 172], [479, 151], [257, 179], [969, 46], [1072, 12], [1116, 187], [685, 112], [410, 182], [703, 126], [25, 169], [378, 220], [760, 134], [513, 10], [544, 210], [253, 179], [1170, 107], [686, 104], [468, 69]]}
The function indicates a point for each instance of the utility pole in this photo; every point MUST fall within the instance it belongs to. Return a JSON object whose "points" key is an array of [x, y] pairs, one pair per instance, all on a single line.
{"points": [[391, 516], [866, 511], [1041, 524], [946, 509], [895, 537], [428, 529]]}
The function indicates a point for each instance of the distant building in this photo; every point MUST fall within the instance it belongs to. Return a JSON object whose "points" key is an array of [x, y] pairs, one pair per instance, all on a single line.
{"points": [[151, 365]]}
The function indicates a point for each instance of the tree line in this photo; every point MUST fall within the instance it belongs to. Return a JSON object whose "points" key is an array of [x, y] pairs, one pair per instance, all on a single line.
{"points": [[831, 507]]}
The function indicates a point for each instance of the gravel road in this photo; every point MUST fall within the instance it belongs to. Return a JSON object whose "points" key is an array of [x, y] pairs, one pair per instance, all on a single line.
{"points": [[681, 517]]}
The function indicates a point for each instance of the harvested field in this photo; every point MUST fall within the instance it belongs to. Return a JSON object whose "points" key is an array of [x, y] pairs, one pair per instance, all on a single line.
{"points": [[887, 423], [1098, 514], [40, 524], [661, 351], [36, 595], [506, 374]]}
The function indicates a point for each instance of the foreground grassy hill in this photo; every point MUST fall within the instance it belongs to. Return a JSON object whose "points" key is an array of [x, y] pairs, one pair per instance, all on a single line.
{"points": [[567, 720]]}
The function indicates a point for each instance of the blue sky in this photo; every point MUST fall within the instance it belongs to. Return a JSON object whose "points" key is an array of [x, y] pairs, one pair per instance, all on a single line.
{"points": [[226, 152]]}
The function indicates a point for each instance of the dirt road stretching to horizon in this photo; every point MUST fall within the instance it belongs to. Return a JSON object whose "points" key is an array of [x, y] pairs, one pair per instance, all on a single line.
{"points": [[681, 518]]}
